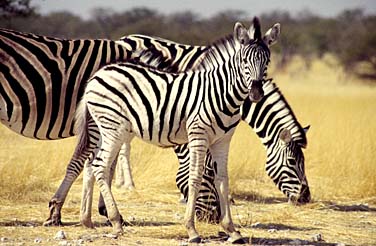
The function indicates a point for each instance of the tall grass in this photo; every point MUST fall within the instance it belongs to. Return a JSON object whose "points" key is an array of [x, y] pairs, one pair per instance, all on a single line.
{"points": [[340, 157]]}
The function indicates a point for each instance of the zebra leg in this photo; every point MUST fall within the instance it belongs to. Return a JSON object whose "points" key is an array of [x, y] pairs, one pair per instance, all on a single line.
{"points": [[101, 164], [219, 153], [198, 145], [101, 205], [57, 201], [87, 196], [123, 169]]}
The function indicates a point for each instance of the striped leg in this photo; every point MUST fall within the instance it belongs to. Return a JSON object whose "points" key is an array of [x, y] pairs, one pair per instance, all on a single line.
{"points": [[87, 196], [122, 166], [124, 177], [219, 153], [198, 145], [101, 165], [57, 201]]}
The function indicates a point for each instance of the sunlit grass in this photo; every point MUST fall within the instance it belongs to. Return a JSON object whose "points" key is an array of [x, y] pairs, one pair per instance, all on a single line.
{"points": [[340, 166], [340, 157]]}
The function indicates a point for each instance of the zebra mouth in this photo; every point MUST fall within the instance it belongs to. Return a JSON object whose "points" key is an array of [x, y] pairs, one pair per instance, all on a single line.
{"points": [[300, 199]]}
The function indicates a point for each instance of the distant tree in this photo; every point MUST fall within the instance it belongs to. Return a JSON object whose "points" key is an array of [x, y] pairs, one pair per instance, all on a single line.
{"points": [[354, 43], [12, 8]]}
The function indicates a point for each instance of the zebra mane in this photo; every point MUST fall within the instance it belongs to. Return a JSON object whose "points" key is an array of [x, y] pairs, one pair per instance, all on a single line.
{"points": [[154, 59], [213, 51]]}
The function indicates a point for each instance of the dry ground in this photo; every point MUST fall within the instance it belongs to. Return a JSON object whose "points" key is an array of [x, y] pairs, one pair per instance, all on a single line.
{"points": [[340, 166]]}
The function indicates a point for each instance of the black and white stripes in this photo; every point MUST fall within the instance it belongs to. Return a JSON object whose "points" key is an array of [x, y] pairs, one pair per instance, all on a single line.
{"points": [[199, 107], [41, 80]]}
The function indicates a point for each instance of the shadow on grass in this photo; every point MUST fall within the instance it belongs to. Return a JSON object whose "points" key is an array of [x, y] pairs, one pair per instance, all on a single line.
{"points": [[222, 237], [141, 223], [279, 227], [287, 241], [257, 198], [348, 208]]}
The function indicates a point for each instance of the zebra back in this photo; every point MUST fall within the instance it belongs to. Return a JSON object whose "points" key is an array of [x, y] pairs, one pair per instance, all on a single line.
{"points": [[42, 77]]}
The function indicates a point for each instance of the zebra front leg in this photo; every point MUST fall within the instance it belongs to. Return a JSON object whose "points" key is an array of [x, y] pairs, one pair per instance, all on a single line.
{"points": [[87, 196], [198, 145], [219, 153], [124, 177]]}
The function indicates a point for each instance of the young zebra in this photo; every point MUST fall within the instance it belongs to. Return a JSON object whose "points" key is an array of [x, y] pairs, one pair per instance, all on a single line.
{"points": [[283, 137], [127, 99]]}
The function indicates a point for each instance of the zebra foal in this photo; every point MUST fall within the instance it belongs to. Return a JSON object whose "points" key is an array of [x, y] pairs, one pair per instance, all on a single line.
{"points": [[199, 107]]}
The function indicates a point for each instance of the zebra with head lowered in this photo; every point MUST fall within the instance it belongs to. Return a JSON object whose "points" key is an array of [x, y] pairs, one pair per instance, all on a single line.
{"points": [[199, 107]]}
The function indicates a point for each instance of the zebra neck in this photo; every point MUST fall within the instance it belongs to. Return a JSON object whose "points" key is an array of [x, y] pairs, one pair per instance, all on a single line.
{"points": [[226, 89], [272, 114]]}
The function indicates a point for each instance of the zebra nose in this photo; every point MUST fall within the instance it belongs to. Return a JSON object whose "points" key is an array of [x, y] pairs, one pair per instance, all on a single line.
{"points": [[256, 93], [305, 195]]}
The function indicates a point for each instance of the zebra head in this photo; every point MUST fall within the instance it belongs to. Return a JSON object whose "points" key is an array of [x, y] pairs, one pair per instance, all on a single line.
{"points": [[285, 165], [254, 55]]}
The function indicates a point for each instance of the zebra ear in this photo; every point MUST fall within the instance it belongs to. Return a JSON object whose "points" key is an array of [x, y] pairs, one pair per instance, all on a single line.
{"points": [[241, 33], [285, 136], [272, 34], [305, 129]]}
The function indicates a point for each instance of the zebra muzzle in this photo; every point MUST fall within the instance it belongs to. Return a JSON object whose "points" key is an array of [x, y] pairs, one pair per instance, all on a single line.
{"points": [[256, 93]]}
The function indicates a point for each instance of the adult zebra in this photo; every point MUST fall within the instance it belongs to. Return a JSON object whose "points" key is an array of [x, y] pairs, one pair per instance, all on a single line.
{"points": [[41, 81], [126, 99]]}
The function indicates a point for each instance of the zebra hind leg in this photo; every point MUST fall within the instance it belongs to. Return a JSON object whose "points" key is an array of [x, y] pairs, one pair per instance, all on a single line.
{"points": [[101, 205]]}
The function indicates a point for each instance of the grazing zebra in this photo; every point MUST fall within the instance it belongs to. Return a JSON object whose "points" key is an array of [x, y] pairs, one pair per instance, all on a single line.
{"points": [[127, 99], [283, 137]]}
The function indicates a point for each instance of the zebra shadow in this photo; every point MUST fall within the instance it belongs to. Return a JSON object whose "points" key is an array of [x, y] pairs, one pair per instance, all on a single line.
{"points": [[140, 223], [279, 227], [287, 241], [257, 198], [223, 237], [347, 208]]}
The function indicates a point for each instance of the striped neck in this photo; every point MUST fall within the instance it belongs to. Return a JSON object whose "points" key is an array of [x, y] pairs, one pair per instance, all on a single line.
{"points": [[272, 114], [222, 60]]}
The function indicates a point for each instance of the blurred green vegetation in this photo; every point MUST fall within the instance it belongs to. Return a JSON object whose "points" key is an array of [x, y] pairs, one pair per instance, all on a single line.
{"points": [[350, 36]]}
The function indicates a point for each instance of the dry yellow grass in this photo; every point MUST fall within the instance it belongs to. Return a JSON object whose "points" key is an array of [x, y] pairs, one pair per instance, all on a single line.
{"points": [[340, 165]]}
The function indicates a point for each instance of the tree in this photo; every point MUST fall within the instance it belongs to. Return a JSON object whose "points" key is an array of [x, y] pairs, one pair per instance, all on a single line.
{"points": [[12, 8]]}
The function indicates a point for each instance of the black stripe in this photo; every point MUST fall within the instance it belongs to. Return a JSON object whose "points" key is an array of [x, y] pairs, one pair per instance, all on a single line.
{"points": [[73, 82], [140, 93], [34, 77]]}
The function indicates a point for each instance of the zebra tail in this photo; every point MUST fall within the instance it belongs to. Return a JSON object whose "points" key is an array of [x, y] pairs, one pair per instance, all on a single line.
{"points": [[81, 127]]}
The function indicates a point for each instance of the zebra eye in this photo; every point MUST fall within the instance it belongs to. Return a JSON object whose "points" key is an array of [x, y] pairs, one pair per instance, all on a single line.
{"points": [[291, 161]]}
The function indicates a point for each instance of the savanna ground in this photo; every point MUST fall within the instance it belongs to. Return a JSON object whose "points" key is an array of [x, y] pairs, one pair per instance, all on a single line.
{"points": [[340, 165]]}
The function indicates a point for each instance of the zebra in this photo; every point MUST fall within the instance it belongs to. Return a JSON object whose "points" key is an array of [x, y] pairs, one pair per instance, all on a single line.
{"points": [[285, 159], [72, 57], [41, 81], [127, 99]]}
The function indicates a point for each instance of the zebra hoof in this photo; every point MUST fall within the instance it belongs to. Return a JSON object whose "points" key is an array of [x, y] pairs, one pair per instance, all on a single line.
{"points": [[51, 222], [240, 241], [195, 240]]}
